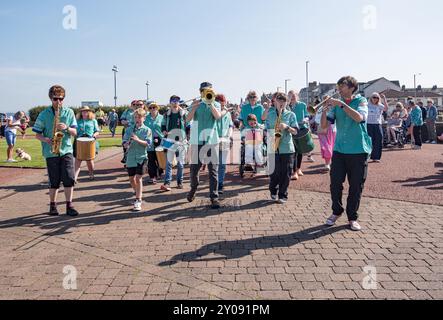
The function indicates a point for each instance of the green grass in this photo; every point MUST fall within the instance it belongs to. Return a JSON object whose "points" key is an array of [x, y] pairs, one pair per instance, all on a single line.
{"points": [[118, 132], [33, 147]]}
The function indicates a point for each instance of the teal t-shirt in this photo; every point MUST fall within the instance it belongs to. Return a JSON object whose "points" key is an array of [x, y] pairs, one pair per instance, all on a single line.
{"points": [[128, 115], [286, 144], [137, 153], [175, 125], [417, 117], [223, 125], [87, 128], [247, 109], [44, 126], [301, 112], [204, 126], [155, 125], [352, 137]]}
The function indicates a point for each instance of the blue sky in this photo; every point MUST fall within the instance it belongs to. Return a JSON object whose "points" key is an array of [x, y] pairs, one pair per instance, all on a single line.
{"points": [[238, 45]]}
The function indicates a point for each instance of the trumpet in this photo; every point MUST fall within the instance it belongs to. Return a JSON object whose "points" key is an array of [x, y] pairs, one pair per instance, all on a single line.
{"points": [[208, 96], [313, 110]]}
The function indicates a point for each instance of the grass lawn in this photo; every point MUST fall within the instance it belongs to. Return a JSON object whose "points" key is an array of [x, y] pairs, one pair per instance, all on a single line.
{"points": [[33, 147], [105, 131]]}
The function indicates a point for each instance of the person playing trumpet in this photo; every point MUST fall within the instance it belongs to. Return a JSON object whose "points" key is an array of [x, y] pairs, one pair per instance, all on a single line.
{"points": [[205, 142], [353, 147], [281, 125]]}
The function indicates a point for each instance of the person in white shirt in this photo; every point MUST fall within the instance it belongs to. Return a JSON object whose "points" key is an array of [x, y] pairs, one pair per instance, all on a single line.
{"points": [[13, 124]]}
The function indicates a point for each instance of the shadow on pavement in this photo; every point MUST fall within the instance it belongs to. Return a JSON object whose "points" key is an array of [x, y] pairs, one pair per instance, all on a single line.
{"points": [[240, 248], [434, 182]]}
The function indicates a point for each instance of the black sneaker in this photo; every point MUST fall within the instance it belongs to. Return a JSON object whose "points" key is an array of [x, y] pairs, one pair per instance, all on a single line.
{"points": [[191, 195], [215, 204], [220, 191], [71, 212], [53, 211]]}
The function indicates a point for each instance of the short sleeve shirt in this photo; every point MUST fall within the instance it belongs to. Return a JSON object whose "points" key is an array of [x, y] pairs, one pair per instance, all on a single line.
{"points": [[44, 125], [87, 128], [301, 112], [224, 124], [204, 127], [155, 125], [137, 153], [247, 109], [352, 137], [286, 144]]}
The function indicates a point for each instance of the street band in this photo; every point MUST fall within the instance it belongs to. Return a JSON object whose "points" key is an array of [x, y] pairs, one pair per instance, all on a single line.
{"points": [[275, 135]]}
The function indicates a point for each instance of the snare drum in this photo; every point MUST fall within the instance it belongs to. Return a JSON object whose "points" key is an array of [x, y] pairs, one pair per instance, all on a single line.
{"points": [[86, 149], [169, 144], [304, 142]]}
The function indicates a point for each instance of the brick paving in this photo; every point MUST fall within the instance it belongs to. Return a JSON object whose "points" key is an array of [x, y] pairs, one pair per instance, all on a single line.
{"points": [[250, 249]]}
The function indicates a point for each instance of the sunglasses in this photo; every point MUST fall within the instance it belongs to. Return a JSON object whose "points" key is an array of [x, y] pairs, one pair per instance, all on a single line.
{"points": [[152, 108], [137, 105], [376, 98], [58, 99]]}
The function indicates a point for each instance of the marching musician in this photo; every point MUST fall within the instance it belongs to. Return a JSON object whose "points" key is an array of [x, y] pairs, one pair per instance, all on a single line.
{"points": [[251, 107], [60, 166], [136, 140], [174, 128], [353, 147], [127, 120], [301, 112], [154, 122], [204, 144], [225, 128], [281, 154], [87, 126]]}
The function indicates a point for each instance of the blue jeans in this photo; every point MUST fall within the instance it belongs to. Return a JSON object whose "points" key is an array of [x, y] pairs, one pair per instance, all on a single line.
{"points": [[223, 158], [180, 166], [112, 127]]}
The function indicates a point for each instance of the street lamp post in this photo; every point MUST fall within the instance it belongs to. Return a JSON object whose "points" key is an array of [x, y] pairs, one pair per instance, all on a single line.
{"points": [[115, 70], [286, 85], [307, 83], [147, 91], [278, 89]]}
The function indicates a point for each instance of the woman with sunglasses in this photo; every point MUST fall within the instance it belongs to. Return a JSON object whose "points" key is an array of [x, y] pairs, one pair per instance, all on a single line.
{"points": [[154, 122], [375, 122], [251, 107]]}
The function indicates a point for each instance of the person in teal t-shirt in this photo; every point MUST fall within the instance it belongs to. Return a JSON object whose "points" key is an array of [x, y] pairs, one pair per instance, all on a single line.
{"points": [[154, 122], [280, 152], [137, 139], [87, 126], [353, 147], [225, 128], [252, 107], [205, 143], [416, 124], [301, 112], [61, 164]]}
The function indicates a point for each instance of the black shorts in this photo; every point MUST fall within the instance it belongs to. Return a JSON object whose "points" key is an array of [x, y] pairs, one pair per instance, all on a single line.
{"points": [[101, 122], [139, 170], [61, 169]]}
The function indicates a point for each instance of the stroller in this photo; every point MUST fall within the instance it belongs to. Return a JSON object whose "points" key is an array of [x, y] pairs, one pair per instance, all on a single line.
{"points": [[253, 151]]}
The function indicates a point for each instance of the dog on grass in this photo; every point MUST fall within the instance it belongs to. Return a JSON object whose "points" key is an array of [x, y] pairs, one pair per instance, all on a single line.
{"points": [[23, 155]]}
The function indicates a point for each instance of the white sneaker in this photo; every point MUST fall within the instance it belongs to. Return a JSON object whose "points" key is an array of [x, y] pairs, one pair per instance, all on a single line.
{"points": [[310, 159], [137, 205], [328, 167], [282, 201], [355, 226], [433, 142], [332, 220], [11, 161], [274, 198]]}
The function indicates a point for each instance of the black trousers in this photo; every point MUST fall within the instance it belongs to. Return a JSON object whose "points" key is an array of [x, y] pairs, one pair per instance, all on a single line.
{"points": [[298, 159], [355, 167], [417, 136], [375, 131], [281, 176], [154, 169], [197, 163]]}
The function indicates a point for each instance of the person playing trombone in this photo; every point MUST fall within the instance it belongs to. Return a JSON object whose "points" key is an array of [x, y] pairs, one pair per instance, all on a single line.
{"points": [[205, 141]]}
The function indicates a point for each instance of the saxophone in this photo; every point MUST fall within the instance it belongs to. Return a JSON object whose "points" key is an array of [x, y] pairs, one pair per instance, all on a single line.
{"points": [[277, 134], [57, 136]]}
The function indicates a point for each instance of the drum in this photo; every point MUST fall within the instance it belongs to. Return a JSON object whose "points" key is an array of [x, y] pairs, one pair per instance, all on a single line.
{"points": [[304, 142], [169, 144], [161, 157], [86, 149]]}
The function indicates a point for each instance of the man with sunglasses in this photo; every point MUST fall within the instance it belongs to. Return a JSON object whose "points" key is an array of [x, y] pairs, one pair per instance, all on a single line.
{"points": [[127, 120], [375, 124], [60, 166], [251, 107]]}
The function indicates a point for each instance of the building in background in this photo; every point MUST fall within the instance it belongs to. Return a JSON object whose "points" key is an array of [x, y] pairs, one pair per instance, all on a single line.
{"points": [[93, 104]]}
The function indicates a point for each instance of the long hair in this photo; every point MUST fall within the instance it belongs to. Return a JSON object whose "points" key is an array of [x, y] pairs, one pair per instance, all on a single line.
{"points": [[91, 115]]}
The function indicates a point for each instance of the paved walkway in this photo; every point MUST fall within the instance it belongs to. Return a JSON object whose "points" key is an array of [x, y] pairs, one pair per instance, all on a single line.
{"points": [[251, 249]]}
